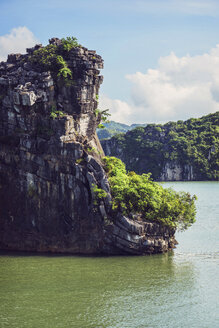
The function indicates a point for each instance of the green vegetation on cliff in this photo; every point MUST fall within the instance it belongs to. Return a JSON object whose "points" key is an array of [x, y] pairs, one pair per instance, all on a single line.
{"points": [[51, 57], [138, 194], [190, 144]]}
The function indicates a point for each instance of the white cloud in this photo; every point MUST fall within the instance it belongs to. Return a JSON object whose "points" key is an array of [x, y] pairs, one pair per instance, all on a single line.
{"points": [[117, 108], [16, 41], [179, 88]]}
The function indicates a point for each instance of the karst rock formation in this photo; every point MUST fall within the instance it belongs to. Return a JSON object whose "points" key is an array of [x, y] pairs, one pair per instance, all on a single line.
{"points": [[50, 161]]}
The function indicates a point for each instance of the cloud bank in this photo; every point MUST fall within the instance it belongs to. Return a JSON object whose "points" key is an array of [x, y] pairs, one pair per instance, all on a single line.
{"points": [[16, 41], [179, 88]]}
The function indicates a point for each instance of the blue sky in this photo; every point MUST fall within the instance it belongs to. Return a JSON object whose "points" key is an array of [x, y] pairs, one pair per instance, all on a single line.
{"points": [[136, 40]]}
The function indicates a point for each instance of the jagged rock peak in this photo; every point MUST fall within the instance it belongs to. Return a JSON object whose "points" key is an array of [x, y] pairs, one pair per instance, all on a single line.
{"points": [[50, 159], [25, 81]]}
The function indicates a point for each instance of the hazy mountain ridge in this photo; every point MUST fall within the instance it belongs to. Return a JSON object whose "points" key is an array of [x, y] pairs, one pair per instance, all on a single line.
{"points": [[112, 128]]}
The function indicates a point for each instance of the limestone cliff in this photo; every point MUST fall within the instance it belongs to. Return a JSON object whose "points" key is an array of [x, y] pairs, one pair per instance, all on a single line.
{"points": [[50, 160], [182, 150], [162, 170]]}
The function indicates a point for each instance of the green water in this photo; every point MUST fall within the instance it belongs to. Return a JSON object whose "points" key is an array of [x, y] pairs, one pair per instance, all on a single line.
{"points": [[179, 289]]}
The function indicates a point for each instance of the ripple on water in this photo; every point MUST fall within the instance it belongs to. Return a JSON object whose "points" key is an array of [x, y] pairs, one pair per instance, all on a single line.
{"points": [[178, 289]]}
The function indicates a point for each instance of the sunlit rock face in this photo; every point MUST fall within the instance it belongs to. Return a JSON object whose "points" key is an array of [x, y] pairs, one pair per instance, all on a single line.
{"points": [[173, 171], [49, 165]]}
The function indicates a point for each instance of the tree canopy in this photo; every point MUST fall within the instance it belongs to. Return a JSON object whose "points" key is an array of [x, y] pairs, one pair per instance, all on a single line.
{"points": [[138, 194], [194, 142]]}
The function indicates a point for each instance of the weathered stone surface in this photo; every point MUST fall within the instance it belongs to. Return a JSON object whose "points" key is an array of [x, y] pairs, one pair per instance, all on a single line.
{"points": [[48, 167], [170, 170], [173, 171], [137, 237]]}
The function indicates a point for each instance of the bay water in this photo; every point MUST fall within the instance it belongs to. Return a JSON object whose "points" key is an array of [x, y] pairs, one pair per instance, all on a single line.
{"points": [[173, 290]]}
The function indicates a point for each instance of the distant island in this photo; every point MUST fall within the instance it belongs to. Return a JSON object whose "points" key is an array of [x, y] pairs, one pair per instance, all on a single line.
{"points": [[182, 150]]}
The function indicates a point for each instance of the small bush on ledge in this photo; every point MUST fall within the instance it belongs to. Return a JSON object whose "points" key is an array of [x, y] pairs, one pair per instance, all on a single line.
{"points": [[133, 193], [50, 58]]}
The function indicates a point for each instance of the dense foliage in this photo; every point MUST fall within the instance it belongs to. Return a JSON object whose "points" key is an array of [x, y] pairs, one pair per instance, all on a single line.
{"points": [[194, 142], [51, 58], [99, 194], [112, 128], [133, 193], [70, 43]]}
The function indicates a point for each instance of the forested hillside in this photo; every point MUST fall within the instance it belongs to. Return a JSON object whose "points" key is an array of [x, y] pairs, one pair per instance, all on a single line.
{"points": [[182, 150], [112, 128]]}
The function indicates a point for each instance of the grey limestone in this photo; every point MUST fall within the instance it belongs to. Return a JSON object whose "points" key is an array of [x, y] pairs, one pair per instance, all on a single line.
{"points": [[49, 165]]}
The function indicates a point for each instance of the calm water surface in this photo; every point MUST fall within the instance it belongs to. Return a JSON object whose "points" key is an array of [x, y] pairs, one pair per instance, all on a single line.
{"points": [[178, 289]]}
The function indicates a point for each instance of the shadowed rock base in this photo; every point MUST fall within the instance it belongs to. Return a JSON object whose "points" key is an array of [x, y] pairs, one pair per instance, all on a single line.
{"points": [[133, 237]]}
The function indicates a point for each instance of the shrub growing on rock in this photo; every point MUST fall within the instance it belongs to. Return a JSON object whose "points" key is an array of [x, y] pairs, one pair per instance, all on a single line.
{"points": [[133, 193], [50, 58]]}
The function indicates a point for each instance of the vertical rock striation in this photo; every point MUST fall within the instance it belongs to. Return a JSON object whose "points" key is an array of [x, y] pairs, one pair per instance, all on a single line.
{"points": [[50, 159]]}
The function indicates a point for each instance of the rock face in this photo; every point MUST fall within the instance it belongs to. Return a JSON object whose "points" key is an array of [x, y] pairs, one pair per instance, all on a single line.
{"points": [[182, 150], [164, 170], [173, 171], [49, 165]]}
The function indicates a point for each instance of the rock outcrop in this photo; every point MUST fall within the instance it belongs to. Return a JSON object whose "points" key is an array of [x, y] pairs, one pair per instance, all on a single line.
{"points": [[173, 171], [50, 161], [175, 151], [165, 170]]}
